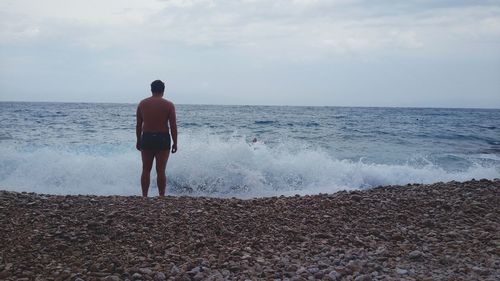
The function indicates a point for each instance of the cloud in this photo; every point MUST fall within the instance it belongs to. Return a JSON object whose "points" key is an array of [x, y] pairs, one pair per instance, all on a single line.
{"points": [[231, 44], [282, 28]]}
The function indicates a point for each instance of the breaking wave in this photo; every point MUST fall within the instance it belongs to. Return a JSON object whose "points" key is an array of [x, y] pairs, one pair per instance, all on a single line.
{"points": [[216, 166]]}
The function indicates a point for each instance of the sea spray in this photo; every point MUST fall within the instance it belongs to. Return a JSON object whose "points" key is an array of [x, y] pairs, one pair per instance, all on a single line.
{"points": [[73, 148], [210, 166]]}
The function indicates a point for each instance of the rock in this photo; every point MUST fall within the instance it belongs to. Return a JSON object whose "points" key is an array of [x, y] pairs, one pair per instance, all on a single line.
{"points": [[199, 276], [354, 265], [364, 277], [65, 274], [112, 278], [215, 276], [334, 275], [480, 270], [319, 275], [356, 198], [446, 260], [313, 270], [5, 274], [174, 270], [342, 270], [389, 235], [94, 267], [159, 276], [301, 270], [416, 255], [292, 268], [195, 270], [401, 271], [146, 271], [137, 276]]}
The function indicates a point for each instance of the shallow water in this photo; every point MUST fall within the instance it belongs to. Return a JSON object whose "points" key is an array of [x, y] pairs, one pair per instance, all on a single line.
{"points": [[81, 148]]}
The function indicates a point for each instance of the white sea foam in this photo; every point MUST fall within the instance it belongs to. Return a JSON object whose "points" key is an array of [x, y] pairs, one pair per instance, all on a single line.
{"points": [[211, 165]]}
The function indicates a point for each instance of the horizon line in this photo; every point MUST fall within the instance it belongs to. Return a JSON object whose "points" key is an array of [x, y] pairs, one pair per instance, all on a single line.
{"points": [[270, 105]]}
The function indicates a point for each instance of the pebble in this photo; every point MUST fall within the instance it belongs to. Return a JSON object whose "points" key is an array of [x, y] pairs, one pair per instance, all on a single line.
{"points": [[174, 270], [136, 276], [334, 275], [112, 278], [313, 270], [146, 271], [416, 255], [480, 270], [362, 235], [5, 274], [401, 271], [364, 277], [160, 276], [199, 276]]}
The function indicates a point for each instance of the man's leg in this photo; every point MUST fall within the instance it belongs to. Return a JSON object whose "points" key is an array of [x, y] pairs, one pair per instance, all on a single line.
{"points": [[147, 163], [161, 164]]}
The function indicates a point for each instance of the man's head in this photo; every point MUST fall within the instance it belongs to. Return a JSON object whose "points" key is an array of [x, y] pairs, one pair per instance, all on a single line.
{"points": [[157, 87]]}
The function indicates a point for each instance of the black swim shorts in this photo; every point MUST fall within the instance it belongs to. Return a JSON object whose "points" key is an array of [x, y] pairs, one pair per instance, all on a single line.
{"points": [[155, 141]]}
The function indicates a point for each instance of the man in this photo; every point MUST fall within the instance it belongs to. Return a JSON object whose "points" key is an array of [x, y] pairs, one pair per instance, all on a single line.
{"points": [[154, 114]]}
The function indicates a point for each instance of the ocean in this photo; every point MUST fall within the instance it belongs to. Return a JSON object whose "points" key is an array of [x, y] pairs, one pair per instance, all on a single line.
{"points": [[89, 148]]}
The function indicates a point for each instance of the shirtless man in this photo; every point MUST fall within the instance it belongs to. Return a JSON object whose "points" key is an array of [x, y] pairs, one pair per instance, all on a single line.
{"points": [[154, 114]]}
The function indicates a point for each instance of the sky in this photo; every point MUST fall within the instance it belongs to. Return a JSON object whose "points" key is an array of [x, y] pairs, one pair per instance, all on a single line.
{"points": [[413, 53]]}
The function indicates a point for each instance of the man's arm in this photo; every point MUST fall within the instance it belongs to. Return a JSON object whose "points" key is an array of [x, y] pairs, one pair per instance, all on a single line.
{"points": [[172, 120], [138, 128]]}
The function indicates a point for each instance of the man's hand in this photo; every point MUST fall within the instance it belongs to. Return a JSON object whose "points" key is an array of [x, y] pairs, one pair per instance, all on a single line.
{"points": [[174, 148], [138, 145]]}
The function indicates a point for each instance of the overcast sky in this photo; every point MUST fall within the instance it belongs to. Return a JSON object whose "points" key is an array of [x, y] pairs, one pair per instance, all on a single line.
{"points": [[302, 52]]}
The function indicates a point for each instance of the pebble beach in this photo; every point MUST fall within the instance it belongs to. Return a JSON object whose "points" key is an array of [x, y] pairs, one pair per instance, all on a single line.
{"points": [[441, 231]]}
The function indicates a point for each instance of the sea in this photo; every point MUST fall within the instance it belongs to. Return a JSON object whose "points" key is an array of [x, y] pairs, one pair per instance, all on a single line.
{"points": [[89, 148]]}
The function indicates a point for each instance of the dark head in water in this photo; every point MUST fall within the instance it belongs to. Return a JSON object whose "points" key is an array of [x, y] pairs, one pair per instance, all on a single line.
{"points": [[157, 88]]}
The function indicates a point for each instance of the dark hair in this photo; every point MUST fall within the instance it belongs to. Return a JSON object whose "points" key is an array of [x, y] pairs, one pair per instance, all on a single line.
{"points": [[157, 86]]}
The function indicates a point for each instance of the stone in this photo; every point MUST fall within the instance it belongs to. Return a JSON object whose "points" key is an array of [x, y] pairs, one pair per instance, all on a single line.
{"points": [[356, 197], [480, 270], [174, 270], [5, 274], [363, 277], [65, 274], [112, 278], [343, 270], [195, 270], [319, 275], [146, 271], [215, 276], [401, 271], [354, 265], [446, 260], [334, 275], [160, 276], [416, 255], [199, 276], [292, 268], [441, 232], [313, 270]]}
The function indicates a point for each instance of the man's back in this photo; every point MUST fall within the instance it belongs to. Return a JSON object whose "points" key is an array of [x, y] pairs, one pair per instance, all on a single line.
{"points": [[154, 116], [155, 113]]}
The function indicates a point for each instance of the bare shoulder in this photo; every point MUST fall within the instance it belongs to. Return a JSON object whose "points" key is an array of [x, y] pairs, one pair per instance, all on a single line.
{"points": [[169, 104], [142, 102]]}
